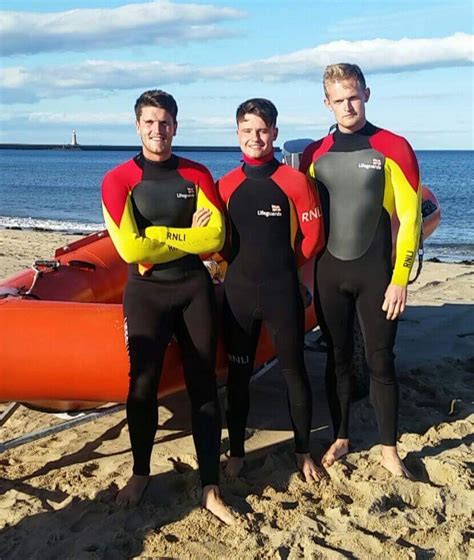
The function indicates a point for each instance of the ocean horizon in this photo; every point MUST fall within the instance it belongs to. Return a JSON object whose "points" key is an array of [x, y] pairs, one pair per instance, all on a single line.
{"points": [[59, 190]]}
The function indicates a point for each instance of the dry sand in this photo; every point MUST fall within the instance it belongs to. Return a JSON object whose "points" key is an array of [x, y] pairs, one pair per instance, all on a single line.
{"points": [[57, 494]]}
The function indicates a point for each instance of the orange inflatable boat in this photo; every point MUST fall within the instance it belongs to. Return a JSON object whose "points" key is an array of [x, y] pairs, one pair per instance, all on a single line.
{"points": [[62, 327]]}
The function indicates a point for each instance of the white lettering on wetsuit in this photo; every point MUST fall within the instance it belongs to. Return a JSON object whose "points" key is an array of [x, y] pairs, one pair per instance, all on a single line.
{"points": [[311, 215], [241, 360], [275, 211], [376, 164], [190, 194]]}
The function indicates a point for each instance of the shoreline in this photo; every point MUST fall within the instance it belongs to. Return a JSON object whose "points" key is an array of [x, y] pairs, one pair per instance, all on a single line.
{"points": [[45, 239], [57, 494]]}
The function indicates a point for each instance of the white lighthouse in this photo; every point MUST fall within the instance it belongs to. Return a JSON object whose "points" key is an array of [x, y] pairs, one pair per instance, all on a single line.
{"points": [[74, 139]]}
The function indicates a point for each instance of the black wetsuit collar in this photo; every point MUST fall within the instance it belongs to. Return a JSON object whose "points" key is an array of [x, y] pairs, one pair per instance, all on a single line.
{"points": [[352, 141], [260, 171], [367, 130], [171, 163]]}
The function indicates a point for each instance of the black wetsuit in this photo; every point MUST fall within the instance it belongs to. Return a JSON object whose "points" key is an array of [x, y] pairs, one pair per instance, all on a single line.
{"points": [[275, 222], [148, 207], [361, 178]]}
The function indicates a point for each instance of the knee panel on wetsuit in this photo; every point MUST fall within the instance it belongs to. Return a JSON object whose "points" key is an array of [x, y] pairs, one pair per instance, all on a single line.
{"points": [[143, 388], [381, 366]]}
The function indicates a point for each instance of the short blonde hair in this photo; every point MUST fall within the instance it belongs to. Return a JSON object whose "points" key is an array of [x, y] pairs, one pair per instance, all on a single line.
{"points": [[342, 71]]}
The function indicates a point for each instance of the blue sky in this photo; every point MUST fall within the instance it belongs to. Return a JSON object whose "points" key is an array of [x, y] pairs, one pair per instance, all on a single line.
{"points": [[81, 65]]}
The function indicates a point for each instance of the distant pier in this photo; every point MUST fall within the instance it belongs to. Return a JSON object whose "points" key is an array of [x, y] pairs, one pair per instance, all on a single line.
{"points": [[107, 148]]}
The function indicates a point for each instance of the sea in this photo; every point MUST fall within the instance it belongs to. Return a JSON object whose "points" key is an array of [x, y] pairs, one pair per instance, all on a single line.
{"points": [[60, 190]]}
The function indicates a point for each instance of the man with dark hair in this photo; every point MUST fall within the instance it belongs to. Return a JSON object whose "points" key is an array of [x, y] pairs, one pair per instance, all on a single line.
{"points": [[260, 107], [365, 175], [275, 227], [156, 98], [161, 212]]}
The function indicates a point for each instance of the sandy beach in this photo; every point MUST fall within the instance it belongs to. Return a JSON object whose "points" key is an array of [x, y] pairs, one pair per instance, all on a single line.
{"points": [[57, 494]]}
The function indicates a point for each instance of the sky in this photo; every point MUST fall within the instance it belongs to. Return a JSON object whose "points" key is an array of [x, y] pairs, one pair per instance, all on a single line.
{"points": [[81, 64]]}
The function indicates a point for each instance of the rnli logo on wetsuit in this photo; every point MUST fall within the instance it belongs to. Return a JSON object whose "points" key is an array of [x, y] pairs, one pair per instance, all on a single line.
{"points": [[376, 164], [311, 215], [189, 194], [238, 359], [274, 211], [409, 258]]}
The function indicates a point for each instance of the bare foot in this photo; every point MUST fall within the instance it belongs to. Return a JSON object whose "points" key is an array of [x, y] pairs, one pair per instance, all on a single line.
{"points": [[309, 469], [337, 450], [233, 467], [212, 501], [132, 492], [392, 462]]}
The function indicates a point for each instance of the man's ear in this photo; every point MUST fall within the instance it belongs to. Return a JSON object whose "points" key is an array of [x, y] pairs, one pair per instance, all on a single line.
{"points": [[326, 102], [367, 94], [175, 128], [275, 133]]}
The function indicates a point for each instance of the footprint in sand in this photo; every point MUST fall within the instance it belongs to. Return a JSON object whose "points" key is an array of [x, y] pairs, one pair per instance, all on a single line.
{"points": [[86, 520]]}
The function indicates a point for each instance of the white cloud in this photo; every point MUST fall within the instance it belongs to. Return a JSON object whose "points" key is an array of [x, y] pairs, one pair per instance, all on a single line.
{"points": [[82, 118], [126, 118], [19, 85], [157, 22], [376, 56]]}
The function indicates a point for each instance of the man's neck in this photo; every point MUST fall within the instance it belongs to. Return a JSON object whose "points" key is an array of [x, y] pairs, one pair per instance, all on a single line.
{"points": [[150, 156], [354, 129]]}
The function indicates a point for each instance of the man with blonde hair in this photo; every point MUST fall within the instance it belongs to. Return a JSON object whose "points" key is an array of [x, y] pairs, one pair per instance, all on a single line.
{"points": [[364, 176]]}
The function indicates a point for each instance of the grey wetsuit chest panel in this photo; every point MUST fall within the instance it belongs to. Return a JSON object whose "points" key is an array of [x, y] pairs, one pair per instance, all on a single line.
{"points": [[352, 190]]}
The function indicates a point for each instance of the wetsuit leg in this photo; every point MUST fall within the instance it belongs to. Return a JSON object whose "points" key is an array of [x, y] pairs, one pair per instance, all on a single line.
{"points": [[148, 320], [197, 338], [362, 282], [335, 308], [379, 338], [283, 310], [241, 331]]}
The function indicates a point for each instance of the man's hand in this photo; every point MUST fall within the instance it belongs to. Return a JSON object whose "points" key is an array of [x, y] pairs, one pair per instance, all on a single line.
{"points": [[201, 217], [395, 300]]}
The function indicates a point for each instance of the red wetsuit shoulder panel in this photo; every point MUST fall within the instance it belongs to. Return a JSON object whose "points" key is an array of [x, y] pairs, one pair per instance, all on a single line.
{"points": [[298, 188], [116, 185], [399, 150], [314, 151], [199, 175], [230, 182]]}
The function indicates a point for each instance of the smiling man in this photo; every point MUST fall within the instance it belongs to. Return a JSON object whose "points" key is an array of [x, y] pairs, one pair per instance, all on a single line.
{"points": [[365, 175], [275, 226], [161, 212]]}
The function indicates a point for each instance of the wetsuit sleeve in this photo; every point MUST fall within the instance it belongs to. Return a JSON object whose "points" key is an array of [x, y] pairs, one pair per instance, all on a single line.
{"points": [[306, 159], [310, 221], [196, 240], [131, 244], [306, 219], [225, 252], [403, 174]]}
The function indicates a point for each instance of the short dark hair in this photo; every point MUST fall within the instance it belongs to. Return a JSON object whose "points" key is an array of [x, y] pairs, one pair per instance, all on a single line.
{"points": [[263, 108], [156, 98]]}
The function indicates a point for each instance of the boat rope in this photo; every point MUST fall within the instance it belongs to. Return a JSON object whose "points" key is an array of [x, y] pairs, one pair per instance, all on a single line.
{"points": [[39, 267], [421, 252]]}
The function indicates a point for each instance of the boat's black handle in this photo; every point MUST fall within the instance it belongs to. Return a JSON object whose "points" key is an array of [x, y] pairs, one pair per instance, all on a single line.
{"points": [[82, 264]]}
